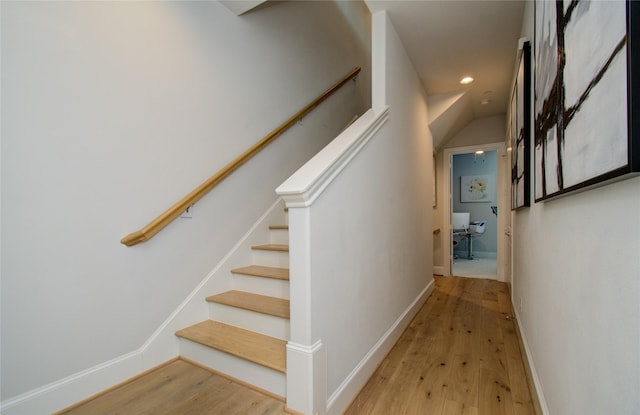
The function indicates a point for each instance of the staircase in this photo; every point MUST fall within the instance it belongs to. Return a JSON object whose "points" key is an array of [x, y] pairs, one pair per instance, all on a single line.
{"points": [[248, 327]]}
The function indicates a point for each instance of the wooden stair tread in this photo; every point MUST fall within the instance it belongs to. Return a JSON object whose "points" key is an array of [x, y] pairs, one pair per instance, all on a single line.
{"points": [[279, 227], [272, 247], [273, 306], [262, 271], [255, 347]]}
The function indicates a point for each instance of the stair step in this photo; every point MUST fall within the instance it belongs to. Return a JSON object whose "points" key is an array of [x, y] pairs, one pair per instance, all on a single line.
{"points": [[271, 247], [249, 373], [266, 324], [279, 234], [258, 348], [262, 271], [278, 307]]}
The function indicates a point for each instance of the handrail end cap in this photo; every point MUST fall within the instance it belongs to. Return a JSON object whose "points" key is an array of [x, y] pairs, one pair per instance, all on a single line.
{"points": [[133, 238]]}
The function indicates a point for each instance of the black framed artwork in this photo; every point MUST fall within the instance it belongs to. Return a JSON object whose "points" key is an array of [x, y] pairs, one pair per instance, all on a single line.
{"points": [[520, 131], [586, 67]]}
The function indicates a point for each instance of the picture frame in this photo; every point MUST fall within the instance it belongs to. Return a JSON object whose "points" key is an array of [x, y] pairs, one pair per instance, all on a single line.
{"points": [[520, 131], [585, 126], [477, 188]]}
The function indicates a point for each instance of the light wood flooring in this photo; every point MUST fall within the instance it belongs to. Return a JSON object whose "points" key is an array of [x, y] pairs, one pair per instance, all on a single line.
{"points": [[460, 355], [179, 388]]}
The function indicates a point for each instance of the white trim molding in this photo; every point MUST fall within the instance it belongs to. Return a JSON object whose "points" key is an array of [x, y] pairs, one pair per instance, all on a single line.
{"points": [[306, 184], [536, 390]]}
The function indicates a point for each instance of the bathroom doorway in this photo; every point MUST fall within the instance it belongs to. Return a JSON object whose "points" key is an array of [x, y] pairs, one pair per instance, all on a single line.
{"points": [[476, 187]]}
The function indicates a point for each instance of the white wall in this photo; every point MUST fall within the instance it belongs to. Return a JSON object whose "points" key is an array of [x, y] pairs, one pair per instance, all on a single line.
{"points": [[111, 112], [576, 286], [379, 209], [366, 237], [479, 131]]}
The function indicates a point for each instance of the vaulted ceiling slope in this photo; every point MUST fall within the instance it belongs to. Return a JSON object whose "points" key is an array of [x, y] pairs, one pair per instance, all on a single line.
{"points": [[241, 7], [449, 39]]}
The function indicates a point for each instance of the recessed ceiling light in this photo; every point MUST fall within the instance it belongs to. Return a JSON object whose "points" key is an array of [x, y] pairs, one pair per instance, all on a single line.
{"points": [[466, 80]]}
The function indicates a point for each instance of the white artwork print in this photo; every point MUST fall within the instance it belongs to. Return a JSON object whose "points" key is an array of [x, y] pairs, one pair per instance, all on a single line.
{"points": [[478, 188]]}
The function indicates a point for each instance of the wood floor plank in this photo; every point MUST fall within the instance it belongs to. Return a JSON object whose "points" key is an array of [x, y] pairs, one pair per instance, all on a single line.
{"points": [[429, 399], [457, 408], [464, 380], [125, 395], [176, 389], [198, 399], [455, 358], [504, 300], [522, 402], [495, 393]]}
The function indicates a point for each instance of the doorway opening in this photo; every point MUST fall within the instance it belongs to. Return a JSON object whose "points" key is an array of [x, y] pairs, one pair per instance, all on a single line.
{"points": [[474, 208], [476, 185]]}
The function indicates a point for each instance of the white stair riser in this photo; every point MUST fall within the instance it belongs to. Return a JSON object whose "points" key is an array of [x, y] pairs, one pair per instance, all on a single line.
{"points": [[243, 370], [271, 258], [259, 285], [260, 323], [279, 236]]}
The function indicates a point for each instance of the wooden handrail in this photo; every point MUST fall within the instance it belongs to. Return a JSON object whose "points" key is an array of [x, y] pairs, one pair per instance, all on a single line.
{"points": [[176, 210]]}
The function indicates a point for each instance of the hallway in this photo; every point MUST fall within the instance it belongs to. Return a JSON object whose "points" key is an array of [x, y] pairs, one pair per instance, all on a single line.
{"points": [[460, 355]]}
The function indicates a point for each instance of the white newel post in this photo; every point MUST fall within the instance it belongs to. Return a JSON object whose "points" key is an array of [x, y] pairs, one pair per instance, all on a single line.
{"points": [[306, 357]]}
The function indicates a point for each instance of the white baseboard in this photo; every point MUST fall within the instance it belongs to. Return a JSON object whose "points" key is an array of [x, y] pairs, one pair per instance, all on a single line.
{"points": [[537, 387], [438, 270], [67, 391], [342, 397], [161, 346]]}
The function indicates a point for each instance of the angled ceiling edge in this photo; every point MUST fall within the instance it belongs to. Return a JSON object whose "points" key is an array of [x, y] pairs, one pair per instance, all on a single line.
{"points": [[438, 104], [241, 7], [452, 112]]}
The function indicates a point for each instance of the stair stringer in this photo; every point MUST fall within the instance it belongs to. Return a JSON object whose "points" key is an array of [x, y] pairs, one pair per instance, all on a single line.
{"points": [[163, 344]]}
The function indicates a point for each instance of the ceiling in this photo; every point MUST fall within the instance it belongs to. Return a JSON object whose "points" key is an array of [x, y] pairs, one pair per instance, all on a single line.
{"points": [[449, 39]]}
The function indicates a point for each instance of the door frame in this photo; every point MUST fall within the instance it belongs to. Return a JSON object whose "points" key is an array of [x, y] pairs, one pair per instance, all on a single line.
{"points": [[503, 190]]}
